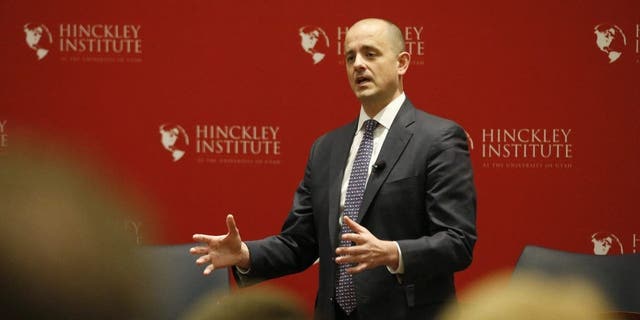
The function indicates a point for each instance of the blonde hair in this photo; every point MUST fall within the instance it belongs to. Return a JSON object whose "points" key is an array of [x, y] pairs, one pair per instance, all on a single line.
{"points": [[264, 303], [529, 296]]}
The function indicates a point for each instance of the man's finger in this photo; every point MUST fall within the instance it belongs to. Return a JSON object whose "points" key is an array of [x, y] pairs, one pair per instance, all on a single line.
{"points": [[351, 251], [203, 259], [199, 250], [347, 259], [202, 238], [231, 225], [358, 268], [353, 237], [208, 269], [355, 226]]}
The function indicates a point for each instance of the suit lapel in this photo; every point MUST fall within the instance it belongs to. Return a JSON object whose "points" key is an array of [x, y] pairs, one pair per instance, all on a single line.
{"points": [[339, 156], [394, 144]]}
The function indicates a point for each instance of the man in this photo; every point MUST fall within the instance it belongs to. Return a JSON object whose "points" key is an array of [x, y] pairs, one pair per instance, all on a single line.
{"points": [[387, 251]]}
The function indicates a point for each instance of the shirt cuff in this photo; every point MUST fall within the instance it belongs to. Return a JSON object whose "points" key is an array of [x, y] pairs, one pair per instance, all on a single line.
{"points": [[400, 269], [245, 271]]}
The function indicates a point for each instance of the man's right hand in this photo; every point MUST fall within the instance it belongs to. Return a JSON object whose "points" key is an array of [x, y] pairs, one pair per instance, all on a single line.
{"points": [[222, 251]]}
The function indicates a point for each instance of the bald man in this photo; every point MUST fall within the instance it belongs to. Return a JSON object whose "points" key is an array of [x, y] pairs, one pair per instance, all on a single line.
{"points": [[388, 206]]}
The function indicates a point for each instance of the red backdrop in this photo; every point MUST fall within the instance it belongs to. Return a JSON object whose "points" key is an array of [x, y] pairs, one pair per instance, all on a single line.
{"points": [[525, 75]]}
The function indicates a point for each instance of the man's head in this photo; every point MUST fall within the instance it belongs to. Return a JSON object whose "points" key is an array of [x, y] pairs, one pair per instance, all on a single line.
{"points": [[505, 296], [263, 303], [376, 60], [65, 252]]}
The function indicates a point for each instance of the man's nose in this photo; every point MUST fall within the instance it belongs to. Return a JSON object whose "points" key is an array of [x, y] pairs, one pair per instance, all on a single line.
{"points": [[358, 62]]}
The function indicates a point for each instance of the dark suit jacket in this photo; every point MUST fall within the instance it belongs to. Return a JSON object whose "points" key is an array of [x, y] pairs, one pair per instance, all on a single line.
{"points": [[424, 198]]}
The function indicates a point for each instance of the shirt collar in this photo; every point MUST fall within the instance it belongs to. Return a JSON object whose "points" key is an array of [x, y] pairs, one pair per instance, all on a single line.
{"points": [[386, 115]]}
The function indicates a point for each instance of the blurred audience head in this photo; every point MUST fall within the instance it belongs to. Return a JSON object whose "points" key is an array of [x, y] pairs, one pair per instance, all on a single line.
{"points": [[530, 296], [66, 253], [248, 304]]}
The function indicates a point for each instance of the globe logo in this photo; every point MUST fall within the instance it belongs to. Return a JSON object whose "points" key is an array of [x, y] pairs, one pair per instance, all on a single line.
{"points": [[606, 243], [174, 139], [610, 40], [38, 39], [314, 41]]}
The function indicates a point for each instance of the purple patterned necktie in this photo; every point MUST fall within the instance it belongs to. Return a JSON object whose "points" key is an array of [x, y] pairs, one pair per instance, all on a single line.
{"points": [[345, 290]]}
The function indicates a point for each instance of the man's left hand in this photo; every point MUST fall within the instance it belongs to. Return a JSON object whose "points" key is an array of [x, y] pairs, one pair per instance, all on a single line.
{"points": [[368, 251]]}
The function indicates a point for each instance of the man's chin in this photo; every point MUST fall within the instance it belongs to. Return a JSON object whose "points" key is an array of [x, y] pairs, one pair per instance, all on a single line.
{"points": [[364, 94]]}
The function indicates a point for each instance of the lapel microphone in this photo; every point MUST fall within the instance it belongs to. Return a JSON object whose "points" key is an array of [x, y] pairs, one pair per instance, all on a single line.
{"points": [[379, 166]]}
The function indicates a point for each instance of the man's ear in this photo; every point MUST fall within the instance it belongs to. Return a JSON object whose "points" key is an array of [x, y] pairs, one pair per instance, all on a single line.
{"points": [[404, 58]]}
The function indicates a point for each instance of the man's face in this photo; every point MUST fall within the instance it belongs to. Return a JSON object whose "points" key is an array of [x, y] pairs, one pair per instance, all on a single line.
{"points": [[372, 64]]}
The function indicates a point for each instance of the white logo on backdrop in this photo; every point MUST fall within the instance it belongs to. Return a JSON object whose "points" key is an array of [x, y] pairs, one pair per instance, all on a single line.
{"points": [[38, 38], [469, 141], [611, 40], [605, 243], [174, 139], [314, 41]]}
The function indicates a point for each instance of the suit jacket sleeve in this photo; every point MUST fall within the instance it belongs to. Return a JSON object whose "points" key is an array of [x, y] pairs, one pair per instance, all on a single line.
{"points": [[450, 203], [291, 251]]}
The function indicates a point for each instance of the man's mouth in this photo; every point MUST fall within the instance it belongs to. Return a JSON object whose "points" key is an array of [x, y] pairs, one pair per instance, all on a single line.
{"points": [[362, 79]]}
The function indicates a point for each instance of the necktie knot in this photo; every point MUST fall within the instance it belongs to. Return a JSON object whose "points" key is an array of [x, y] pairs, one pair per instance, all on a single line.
{"points": [[370, 125]]}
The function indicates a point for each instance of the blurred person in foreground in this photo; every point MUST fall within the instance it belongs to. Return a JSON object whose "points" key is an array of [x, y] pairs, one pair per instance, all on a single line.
{"points": [[530, 297], [387, 202], [65, 252], [250, 304]]}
